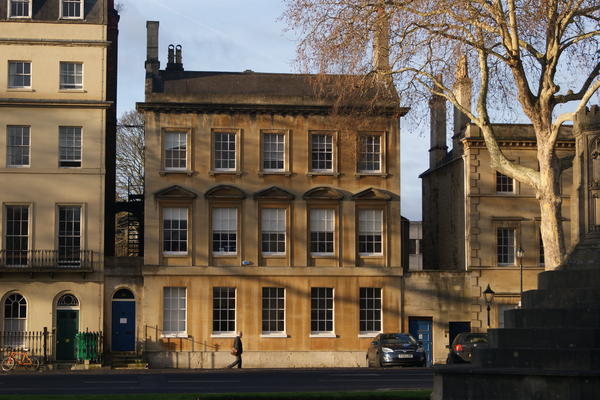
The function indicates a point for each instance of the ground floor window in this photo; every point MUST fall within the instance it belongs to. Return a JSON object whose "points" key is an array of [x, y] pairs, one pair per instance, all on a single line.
{"points": [[174, 310], [370, 310], [15, 320], [223, 310], [273, 310], [321, 310]]}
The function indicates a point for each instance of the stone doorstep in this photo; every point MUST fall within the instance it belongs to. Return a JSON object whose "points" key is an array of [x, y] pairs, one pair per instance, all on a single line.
{"points": [[544, 358], [554, 338], [552, 318]]}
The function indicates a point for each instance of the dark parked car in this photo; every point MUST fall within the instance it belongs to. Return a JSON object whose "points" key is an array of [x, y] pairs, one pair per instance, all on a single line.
{"points": [[395, 349], [463, 345]]}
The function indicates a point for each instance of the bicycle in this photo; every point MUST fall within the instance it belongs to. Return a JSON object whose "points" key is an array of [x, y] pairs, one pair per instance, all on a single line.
{"points": [[21, 358]]}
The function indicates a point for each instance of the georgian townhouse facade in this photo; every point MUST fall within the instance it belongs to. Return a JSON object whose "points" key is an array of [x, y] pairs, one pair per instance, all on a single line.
{"points": [[265, 214], [57, 127]]}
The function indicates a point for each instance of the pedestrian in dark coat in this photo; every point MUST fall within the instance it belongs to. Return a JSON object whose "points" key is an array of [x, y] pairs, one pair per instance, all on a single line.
{"points": [[237, 350]]}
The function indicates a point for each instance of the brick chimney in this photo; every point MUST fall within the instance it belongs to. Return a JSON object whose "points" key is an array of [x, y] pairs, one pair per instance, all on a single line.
{"points": [[462, 91], [437, 129], [152, 63]]}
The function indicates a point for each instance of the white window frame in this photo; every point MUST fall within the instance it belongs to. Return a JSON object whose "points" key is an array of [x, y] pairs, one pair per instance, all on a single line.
{"points": [[9, 9], [366, 149], [63, 86], [219, 290], [178, 134], [19, 321], [17, 63], [501, 246], [71, 148], [275, 308], [273, 147], [327, 309], [503, 182], [216, 134], [17, 234], [181, 212], [376, 312], [174, 309], [332, 137], [21, 147], [329, 228], [224, 226], [276, 225], [74, 260], [367, 221], [62, 9]]}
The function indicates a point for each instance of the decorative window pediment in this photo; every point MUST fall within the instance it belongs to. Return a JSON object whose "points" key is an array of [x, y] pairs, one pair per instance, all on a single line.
{"points": [[225, 192], [323, 193], [274, 193], [175, 192], [372, 194]]}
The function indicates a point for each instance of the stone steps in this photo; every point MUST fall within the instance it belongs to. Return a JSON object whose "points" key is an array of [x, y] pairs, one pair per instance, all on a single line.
{"points": [[541, 358], [565, 298], [552, 318], [544, 338]]}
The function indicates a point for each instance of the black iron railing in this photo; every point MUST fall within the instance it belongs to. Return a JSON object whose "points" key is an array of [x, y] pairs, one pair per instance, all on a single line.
{"points": [[46, 260], [37, 343]]}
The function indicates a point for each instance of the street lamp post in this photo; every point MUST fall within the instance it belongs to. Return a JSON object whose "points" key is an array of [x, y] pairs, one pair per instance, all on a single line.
{"points": [[488, 295], [520, 254]]}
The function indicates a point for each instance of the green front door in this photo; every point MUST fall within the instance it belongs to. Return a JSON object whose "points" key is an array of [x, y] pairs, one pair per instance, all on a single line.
{"points": [[67, 324]]}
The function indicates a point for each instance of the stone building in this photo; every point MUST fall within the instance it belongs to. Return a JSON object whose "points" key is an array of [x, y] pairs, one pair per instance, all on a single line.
{"points": [[57, 94], [267, 214], [476, 219]]}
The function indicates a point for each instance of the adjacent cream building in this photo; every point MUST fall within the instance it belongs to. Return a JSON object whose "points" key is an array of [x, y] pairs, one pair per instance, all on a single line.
{"points": [[57, 127]]}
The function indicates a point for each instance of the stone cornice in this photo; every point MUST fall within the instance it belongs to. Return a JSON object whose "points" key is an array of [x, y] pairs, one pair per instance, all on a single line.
{"points": [[53, 103], [226, 108], [528, 143], [55, 42]]}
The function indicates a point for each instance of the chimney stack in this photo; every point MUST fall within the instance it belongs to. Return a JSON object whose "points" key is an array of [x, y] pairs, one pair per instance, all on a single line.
{"points": [[174, 59], [437, 126], [462, 91], [152, 63]]}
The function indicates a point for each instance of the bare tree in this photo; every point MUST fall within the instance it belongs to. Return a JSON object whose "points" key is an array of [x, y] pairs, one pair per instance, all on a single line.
{"points": [[130, 154], [539, 55]]}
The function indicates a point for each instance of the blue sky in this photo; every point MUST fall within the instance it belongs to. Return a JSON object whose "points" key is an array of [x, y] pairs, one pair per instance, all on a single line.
{"points": [[233, 35]]}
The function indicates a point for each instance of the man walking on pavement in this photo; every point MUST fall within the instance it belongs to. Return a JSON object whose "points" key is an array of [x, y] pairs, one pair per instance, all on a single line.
{"points": [[237, 351]]}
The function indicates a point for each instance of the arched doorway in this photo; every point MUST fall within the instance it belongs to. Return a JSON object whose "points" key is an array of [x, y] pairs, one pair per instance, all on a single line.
{"points": [[67, 326], [123, 321]]}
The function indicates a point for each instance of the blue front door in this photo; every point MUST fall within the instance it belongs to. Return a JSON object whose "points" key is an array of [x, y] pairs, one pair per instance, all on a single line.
{"points": [[123, 325], [420, 328]]}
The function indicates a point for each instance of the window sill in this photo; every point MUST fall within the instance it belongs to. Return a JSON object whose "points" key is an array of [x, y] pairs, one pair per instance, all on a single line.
{"points": [[323, 173], [20, 89], [224, 255], [363, 255], [323, 335], [164, 172], [277, 335], [282, 173], [213, 172], [175, 255], [323, 255], [18, 17], [71, 18], [223, 335], [18, 166], [274, 255], [72, 91], [378, 174], [167, 335], [368, 334]]}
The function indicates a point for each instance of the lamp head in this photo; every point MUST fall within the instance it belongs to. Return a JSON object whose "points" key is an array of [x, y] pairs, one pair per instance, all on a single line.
{"points": [[488, 294]]}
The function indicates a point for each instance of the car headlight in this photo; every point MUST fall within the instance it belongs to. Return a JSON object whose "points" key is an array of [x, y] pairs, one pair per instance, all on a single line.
{"points": [[420, 350], [387, 350]]}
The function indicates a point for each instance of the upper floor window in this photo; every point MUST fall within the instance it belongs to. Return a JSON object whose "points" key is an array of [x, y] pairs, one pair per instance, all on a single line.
{"points": [[224, 231], [273, 157], [71, 8], [71, 75], [322, 222], [321, 153], [370, 232], [224, 151], [19, 74], [369, 153], [69, 235], [175, 230], [20, 8], [16, 239], [273, 231], [504, 184], [18, 145], [505, 246], [70, 146], [175, 151]]}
